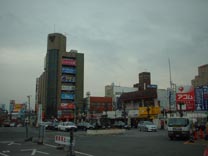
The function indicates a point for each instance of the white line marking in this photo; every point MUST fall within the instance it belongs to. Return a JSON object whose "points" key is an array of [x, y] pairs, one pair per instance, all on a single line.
{"points": [[75, 151], [3, 154], [50, 145], [84, 153], [34, 151], [26, 150], [11, 143]]}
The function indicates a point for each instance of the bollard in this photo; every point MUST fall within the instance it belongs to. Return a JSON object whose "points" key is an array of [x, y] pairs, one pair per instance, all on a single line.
{"points": [[195, 135], [201, 134], [191, 138], [26, 126], [27, 131], [71, 151], [41, 134]]}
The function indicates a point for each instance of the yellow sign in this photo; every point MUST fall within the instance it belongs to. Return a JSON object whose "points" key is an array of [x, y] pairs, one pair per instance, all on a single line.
{"points": [[152, 110]]}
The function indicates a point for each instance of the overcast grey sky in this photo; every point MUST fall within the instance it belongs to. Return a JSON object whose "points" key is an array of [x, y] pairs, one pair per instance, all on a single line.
{"points": [[119, 39]]}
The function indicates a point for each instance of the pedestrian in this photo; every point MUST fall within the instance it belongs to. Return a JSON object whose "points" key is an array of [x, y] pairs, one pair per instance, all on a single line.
{"points": [[162, 124]]}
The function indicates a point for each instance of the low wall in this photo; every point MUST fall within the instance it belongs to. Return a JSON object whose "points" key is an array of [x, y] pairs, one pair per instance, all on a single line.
{"points": [[106, 131]]}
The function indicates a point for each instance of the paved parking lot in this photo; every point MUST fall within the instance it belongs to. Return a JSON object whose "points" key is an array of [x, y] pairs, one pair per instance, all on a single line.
{"points": [[132, 142]]}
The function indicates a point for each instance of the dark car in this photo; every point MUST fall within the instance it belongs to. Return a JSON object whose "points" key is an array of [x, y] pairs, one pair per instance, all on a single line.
{"points": [[121, 124], [85, 126], [6, 123], [52, 126]]}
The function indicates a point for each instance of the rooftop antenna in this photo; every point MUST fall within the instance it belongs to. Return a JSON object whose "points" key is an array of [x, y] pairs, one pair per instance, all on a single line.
{"points": [[170, 73], [170, 86]]}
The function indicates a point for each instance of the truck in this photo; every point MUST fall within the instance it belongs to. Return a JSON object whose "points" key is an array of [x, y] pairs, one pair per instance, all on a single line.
{"points": [[179, 127]]}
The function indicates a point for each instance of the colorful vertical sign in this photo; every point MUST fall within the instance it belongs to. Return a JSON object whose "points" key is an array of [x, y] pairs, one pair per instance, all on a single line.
{"points": [[201, 98], [185, 98]]}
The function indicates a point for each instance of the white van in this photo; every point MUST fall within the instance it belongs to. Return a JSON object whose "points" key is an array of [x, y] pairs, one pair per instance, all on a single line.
{"points": [[179, 127]]}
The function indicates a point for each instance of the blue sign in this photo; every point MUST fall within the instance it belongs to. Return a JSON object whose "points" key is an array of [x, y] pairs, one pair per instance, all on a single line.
{"points": [[68, 70], [205, 97], [67, 96], [201, 98]]}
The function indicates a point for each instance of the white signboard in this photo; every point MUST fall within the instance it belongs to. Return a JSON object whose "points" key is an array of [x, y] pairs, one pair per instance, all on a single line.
{"points": [[62, 140]]}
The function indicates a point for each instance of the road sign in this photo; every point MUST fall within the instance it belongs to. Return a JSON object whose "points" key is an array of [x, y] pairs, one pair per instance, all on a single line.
{"points": [[62, 140]]}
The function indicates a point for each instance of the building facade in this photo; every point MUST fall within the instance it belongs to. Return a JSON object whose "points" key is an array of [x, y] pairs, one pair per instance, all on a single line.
{"points": [[145, 97], [115, 92], [62, 81], [202, 78]]}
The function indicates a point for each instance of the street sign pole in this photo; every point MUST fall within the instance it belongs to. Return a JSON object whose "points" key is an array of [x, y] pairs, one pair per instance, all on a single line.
{"points": [[71, 151]]}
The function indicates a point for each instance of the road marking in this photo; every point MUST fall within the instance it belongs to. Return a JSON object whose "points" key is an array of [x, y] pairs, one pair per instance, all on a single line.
{"points": [[75, 151], [83, 153], [11, 143], [50, 145], [3, 154], [34, 151]]}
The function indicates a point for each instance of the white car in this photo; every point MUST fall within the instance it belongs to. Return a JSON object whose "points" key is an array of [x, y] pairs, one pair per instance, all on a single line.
{"points": [[66, 126], [147, 126]]}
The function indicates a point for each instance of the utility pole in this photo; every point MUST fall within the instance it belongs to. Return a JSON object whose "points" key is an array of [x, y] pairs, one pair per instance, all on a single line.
{"points": [[29, 106], [170, 91]]}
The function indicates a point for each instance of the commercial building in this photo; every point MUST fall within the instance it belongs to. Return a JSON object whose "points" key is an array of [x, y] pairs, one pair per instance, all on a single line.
{"points": [[62, 82], [202, 78], [115, 92], [144, 100]]}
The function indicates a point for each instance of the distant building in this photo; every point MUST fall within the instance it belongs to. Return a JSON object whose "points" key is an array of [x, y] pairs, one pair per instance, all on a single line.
{"points": [[145, 97], [97, 105], [163, 98], [202, 78], [62, 82], [144, 80], [115, 92]]}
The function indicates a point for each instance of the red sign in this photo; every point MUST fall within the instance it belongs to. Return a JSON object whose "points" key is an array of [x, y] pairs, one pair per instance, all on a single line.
{"points": [[62, 140], [67, 106], [69, 62], [185, 98]]}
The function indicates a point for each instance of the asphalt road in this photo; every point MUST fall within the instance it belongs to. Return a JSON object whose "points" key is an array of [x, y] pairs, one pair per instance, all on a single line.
{"points": [[131, 143]]}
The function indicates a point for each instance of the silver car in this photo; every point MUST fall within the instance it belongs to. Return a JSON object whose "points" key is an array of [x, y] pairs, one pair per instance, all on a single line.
{"points": [[66, 126], [147, 126]]}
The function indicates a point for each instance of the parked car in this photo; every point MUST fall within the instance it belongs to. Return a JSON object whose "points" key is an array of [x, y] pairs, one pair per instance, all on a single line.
{"points": [[147, 126], [45, 124], [85, 126], [121, 124], [66, 126], [13, 124], [53, 126], [6, 123]]}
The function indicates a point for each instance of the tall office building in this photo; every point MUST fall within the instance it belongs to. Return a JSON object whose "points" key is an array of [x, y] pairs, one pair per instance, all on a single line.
{"points": [[62, 82]]}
